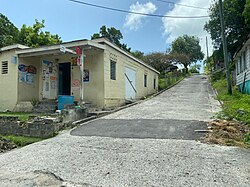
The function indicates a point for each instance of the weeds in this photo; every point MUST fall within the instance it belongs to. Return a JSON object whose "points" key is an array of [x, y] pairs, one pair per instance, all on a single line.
{"points": [[21, 141], [235, 106]]}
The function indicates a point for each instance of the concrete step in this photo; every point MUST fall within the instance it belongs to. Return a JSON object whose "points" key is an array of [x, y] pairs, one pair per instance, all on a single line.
{"points": [[45, 107]]}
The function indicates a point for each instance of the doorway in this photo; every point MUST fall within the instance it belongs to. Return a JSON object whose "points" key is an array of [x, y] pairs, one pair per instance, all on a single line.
{"points": [[130, 83], [64, 79]]}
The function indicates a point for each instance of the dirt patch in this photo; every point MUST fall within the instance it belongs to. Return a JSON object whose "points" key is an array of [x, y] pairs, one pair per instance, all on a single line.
{"points": [[228, 133], [6, 145]]}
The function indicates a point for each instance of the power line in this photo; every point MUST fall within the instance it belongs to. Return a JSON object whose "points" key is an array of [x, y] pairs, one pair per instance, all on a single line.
{"points": [[138, 13], [189, 6]]}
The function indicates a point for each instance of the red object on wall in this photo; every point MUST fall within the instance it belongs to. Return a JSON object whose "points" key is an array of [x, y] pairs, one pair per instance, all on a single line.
{"points": [[79, 51]]}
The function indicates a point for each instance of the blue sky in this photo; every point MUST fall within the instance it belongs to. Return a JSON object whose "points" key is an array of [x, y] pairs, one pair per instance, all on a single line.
{"points": [[73, 21]]}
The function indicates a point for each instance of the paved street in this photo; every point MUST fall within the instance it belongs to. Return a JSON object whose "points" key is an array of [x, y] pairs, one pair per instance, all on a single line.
{"points": [[150, 144]]}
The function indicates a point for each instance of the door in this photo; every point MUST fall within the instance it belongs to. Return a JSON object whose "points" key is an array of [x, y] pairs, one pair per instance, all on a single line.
{"points": [[130, 77], [65, 78], [75, 82], [50, 79]]}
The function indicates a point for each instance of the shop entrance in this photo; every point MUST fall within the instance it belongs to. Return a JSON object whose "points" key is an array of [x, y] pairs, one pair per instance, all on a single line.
{"points": [[64, 78]]}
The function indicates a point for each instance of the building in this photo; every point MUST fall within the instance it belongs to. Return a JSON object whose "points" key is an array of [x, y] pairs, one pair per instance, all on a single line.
{"points": [[242, 59], [108, 77]]}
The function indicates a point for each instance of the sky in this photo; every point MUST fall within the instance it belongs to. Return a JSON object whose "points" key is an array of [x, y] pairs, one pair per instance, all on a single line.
{"points": [[73, 21]]}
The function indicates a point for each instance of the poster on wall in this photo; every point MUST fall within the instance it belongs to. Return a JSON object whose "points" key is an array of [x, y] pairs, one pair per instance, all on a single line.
{"points": [[26, 74], [75, 84], [30, 78], [86, 75]]}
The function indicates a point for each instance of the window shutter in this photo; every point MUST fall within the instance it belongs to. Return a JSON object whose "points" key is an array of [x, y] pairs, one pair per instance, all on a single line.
{"points": [[5, 68], [112, 70]]}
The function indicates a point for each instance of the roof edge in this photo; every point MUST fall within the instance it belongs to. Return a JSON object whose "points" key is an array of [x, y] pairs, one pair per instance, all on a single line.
{"points": [[106, 41], [14, 46]]}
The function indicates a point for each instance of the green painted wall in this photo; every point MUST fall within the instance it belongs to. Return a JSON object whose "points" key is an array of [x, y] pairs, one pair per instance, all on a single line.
{"points": [[247, 87]]}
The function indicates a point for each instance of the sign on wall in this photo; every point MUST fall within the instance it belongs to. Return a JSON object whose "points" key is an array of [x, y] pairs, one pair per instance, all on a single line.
{"points": [[75, 84], [86, 75], [26, 74]]}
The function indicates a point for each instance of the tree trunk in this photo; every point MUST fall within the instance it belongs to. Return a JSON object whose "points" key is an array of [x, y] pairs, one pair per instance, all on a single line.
{"points": [[186, 68]]}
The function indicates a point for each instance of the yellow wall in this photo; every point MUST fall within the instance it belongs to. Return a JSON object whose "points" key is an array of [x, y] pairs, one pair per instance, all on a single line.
{"points": [[100, 90], [115, 89], [8, 82], [29, 92], [94, 89]]}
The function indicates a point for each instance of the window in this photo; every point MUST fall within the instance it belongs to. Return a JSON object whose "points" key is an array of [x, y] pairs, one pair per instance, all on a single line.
{"points": [[145, 80], [5, 68], [238, 67], [154, 83], [112, 70]]}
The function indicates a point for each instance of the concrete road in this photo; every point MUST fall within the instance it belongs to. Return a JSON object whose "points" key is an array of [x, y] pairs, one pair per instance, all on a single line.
{"points": [[150, 144]]}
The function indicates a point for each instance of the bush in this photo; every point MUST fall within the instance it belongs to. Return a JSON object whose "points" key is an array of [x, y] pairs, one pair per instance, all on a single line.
{"points": [[169, 80], [235, 106]]}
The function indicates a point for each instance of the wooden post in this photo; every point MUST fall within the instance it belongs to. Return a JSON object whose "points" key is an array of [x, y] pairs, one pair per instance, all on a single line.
{"points": [[81, 78]]}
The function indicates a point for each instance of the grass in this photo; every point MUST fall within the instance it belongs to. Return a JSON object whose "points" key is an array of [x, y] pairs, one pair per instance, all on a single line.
{"points": [[168, 81], [21, 141], [235, 106], [21, 116]]}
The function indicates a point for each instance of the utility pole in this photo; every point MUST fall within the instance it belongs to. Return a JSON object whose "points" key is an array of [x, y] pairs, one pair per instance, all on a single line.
{"points": [[207, 47], [224, 42]]}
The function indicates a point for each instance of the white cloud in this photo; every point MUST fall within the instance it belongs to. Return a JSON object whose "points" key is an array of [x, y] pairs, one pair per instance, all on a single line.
{"points": [[134, 21], [178, 27]]}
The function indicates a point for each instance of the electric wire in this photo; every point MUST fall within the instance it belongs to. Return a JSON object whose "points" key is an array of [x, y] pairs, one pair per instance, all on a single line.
{"points": [[189, 6], [138, 13]]}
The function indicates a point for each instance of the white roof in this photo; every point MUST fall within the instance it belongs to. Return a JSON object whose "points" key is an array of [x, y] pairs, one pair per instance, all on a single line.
{"points": [[15, 46], [244, 48], [103, 40], [99, 43], [50, 49]]}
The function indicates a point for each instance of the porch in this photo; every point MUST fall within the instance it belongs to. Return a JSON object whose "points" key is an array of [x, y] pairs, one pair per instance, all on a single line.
{"points": [[45, 73]]}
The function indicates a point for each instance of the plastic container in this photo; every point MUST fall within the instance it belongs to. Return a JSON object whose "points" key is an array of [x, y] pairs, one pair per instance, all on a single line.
{"points": [[64, 100]]}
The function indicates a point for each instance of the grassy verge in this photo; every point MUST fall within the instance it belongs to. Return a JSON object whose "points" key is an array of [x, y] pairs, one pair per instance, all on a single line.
{"points": [[168, 81], [21, 116], [235, 106], [21, 141]]}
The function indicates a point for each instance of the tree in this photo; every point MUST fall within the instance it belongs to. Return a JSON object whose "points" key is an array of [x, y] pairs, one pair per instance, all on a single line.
{"points": [[159, 61], [246, 13], [8, 32], [195, 68], [138, 54], [236, 27], [33, 36], [113, 35], [186, 50]]}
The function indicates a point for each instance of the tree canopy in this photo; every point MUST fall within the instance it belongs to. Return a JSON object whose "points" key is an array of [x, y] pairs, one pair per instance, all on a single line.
{"points": [[113, 34], [246, 12], [31, 36], [159, 61], [186, 50], [137, 54], [8, 32], [236, 25]]}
